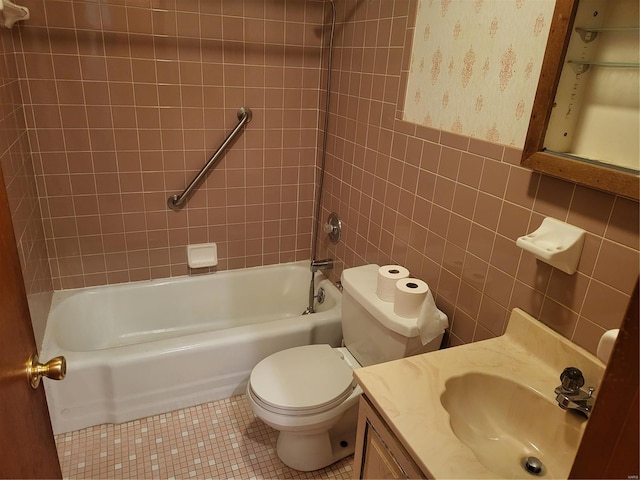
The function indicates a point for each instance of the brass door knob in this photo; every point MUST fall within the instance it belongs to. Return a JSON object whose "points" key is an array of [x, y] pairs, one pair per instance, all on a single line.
{"points": [[55, 369]]}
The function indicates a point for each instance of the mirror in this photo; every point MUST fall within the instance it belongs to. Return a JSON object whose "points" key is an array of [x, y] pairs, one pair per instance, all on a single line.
{"points": [[584, 127]]}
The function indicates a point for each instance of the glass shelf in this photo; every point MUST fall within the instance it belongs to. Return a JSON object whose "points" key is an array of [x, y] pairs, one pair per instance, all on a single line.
{"points": [[581, 66], [589, 34], [609, 29]]}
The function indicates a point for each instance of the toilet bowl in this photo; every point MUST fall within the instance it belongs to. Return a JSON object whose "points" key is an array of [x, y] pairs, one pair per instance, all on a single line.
{"points": [[308, 393]]}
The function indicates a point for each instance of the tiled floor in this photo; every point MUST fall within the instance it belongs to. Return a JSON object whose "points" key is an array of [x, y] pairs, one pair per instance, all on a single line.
{"points": [[219, 439]]}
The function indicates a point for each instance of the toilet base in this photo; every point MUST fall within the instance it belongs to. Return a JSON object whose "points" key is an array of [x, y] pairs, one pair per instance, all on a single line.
{"points": [[312, 451]]}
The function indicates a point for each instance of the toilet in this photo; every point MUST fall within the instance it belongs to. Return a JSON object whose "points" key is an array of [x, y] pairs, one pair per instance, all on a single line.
{"points": [[308, 393]]}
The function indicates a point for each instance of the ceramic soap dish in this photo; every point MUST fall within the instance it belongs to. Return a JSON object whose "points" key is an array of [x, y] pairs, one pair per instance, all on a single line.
{"points": [[556, 243]]}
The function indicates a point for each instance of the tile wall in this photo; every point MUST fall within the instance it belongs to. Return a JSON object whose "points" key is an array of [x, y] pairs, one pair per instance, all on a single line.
{"points": [[125, 101], [450, 207], [19, 180]]}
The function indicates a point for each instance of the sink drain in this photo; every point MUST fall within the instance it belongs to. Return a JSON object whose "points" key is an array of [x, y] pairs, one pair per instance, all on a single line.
{"points": [[533, 465]]}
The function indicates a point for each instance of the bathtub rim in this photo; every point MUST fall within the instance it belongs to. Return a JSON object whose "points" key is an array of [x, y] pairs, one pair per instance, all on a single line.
{"points": [[51, 348], [60, 295]]}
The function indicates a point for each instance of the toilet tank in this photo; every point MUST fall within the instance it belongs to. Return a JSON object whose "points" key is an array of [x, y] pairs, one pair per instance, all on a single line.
{"points": [[372, 332]]}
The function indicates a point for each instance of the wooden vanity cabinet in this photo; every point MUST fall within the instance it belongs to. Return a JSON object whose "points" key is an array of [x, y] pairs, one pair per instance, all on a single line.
{"points": [[379, 454]]}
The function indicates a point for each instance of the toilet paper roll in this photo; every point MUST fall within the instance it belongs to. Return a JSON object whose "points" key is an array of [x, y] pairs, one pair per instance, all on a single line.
{"points": [[606, 344], [388, 275], [410, 294]]}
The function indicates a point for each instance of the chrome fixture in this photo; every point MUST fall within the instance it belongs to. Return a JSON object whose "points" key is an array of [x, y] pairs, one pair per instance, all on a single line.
{"points": [[321, 296], [323, 162], [333, 227], [176, 202], [326, 264], [533, 465], [325, 134], [570, 395]]}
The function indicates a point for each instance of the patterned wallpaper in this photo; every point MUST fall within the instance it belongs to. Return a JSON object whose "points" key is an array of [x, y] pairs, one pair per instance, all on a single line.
{"points": [[472, 70]]}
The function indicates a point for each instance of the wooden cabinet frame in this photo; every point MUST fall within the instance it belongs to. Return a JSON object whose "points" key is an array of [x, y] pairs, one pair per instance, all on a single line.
{"points": [[378, 453], [534, 156]]}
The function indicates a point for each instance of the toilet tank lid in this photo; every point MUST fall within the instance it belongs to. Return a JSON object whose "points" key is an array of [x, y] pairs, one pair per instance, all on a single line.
{"points": [[361, 283]]}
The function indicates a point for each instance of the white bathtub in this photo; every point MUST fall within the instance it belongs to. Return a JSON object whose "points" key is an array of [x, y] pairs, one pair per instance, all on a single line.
{"points": [[144, 348]]}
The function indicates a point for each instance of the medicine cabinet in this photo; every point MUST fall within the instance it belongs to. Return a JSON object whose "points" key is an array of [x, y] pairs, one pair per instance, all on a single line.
{"points": [[585, 120]]}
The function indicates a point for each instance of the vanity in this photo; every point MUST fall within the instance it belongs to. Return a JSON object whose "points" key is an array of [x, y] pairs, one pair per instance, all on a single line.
{"points": [[379, 453], [489, 409]]}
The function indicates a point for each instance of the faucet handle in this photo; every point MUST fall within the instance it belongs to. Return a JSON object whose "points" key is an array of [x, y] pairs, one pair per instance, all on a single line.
{"points": [[572, 379]]}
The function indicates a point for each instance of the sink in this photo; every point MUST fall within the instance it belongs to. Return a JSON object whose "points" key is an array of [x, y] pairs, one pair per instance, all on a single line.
{"points": [[479, 410], [504, 422]]}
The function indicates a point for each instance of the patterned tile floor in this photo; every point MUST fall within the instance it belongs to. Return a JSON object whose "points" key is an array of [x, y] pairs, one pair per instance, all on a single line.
{"points": [[220, 439]]}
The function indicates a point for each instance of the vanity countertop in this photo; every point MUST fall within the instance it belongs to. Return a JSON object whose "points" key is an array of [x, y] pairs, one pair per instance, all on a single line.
{"points": [[407, 392]]}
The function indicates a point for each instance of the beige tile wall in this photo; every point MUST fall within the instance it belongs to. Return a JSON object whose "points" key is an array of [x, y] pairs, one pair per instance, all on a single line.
{"points": [[124, 103], [19, 180], [450, 207]]}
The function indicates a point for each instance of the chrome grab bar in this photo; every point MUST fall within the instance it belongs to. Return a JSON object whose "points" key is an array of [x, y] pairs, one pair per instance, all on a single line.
{"points": [[176, 202]]}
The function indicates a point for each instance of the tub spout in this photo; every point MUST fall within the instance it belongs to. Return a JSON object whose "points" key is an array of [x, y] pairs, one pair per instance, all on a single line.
{"points": [[316, 265], [326, 264]]}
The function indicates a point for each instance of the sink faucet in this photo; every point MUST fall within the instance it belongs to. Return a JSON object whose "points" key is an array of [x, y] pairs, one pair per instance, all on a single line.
{"points": [[570, 395]]}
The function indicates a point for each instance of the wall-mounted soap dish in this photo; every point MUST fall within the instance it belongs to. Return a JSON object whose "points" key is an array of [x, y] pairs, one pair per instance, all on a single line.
{"points": [[556, 243], [202, 255], [11, 13]]}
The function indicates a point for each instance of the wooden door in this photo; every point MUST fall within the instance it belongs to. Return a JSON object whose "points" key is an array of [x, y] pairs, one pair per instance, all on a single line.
{"points": [[27, 447], [610, 444]]}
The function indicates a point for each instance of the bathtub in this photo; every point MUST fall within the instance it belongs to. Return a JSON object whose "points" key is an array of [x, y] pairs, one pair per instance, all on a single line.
{"points": [[144, 348]]}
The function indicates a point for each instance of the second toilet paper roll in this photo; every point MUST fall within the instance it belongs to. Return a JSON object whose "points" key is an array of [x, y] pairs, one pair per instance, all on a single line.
{"points": [[388, 275], [410, 294]]}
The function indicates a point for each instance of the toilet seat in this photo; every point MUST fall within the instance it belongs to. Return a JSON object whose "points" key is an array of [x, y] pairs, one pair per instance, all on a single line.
{"points": [[302, 380]]}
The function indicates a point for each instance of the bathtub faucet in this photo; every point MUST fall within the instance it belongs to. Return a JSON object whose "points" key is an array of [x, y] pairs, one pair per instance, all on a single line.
{"points": [[326, 264]]}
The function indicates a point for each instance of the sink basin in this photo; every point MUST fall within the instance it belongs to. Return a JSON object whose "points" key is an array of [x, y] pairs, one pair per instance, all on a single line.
{"points": [[504, 422], [478, 410]]}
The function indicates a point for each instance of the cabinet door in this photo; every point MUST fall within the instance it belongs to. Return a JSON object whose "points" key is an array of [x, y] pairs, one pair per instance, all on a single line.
{"points": [[379, 454], [378, 461]]}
